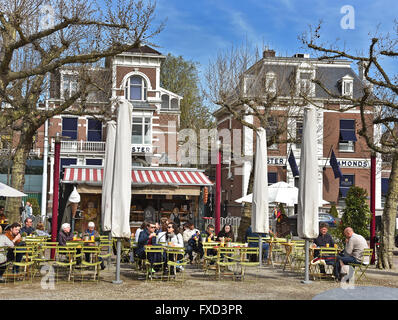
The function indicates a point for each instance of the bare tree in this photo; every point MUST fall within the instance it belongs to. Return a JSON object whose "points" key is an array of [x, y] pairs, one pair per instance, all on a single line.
{"points": [[245, 87], [38, 38], [379, 95]]}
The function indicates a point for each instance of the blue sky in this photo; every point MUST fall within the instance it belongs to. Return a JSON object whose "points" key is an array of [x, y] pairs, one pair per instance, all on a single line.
{"points": [[198, 30]]}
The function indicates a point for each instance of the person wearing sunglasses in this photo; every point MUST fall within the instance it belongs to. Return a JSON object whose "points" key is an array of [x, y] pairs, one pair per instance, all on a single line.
{"points": [[146, 237]]}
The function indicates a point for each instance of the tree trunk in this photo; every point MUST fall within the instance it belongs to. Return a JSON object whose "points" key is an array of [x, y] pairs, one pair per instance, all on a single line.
{"points": [[245, 221], [246, 218], [18, 176], [385, 259]]}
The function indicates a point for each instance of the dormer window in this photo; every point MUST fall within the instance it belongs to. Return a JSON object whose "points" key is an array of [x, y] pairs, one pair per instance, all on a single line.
{"points": [[270, 83], [347, 86], [69, 85], [136, 88]]}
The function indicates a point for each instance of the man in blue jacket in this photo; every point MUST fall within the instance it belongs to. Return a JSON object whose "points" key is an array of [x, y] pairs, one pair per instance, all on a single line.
{"points": [[250, 233]]}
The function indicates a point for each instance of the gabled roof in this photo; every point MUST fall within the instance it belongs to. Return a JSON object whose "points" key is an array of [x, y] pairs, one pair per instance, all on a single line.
{"points": [[144, 49]]}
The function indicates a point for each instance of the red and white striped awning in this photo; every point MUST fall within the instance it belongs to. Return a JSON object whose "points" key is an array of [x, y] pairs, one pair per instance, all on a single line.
{"points": [[140, 176]]}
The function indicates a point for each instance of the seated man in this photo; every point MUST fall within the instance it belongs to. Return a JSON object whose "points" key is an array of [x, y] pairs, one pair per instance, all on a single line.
{"points": [[324, 239], [5, 242], [28, 227], [147, 237], [13, 233], [64, 234], [210, 236], [92, 232], [192, 243], [355, 244], [250, 233]]}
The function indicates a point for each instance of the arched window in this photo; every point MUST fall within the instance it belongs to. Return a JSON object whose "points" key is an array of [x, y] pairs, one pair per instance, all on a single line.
{"points": [[174, 104], [136, 88], [165, 102]]}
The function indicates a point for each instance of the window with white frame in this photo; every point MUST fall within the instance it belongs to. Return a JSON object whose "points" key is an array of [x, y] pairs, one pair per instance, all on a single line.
{"points": [[165, 102], [141, 130], [136, 88], [347, 136], [270, 83], [347, 83], [346, 183], [305, 84], [69, 128], [174, 104], [69, 85]]}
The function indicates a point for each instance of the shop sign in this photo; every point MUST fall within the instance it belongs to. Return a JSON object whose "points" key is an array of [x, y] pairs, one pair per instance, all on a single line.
{"points": [[141, 149], [354, 163], [276, 161]]}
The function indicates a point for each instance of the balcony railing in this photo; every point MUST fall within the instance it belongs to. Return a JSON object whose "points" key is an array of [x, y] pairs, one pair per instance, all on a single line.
{"points": [[81, 146]]}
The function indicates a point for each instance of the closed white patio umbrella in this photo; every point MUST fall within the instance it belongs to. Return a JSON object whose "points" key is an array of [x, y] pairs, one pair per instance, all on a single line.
{"points": [[107, 183], [260, 223], [116, 214], [7, 191], [308, 197]]}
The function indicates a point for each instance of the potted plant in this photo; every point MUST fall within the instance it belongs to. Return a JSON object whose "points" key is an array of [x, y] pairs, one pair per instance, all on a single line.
{"points": [[86, 237], [75, 235], [23, 236], [289, 238]]}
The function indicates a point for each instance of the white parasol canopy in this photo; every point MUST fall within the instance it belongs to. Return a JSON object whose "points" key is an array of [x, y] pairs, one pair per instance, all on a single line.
{"points": [[106, 201], [279, 192], [259, 222], [121, 191], [308, 198], [7, 191]]}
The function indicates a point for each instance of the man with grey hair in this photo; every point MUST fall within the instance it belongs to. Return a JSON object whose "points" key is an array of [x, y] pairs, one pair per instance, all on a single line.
{"points": [[355, 244], [64, 234]]}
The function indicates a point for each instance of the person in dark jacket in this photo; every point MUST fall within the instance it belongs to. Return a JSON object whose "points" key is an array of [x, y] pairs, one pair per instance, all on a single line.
{"points": [[250, 233], [28, 227], [323, 239], [146, 237], [227, 233], [64, 234]]}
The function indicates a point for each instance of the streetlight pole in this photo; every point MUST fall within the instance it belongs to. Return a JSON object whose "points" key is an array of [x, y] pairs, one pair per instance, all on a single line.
{"points": [[54, 219], [373, 205], [218, 189]]}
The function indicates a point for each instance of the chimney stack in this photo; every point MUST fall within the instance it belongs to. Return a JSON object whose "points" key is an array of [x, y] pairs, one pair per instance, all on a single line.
{"points": [[268, 53]]}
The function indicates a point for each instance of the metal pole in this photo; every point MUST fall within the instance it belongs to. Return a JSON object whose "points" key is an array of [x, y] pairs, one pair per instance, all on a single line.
{"points": [[307, 263], [118, 249], [218, 192], [54, 220], [260, 243], [373, 205]]}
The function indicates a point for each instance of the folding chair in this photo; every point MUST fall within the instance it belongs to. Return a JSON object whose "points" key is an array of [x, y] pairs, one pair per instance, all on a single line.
{"points": [[249, 259], [363, 265], [93, 252], [65, 259], [152, 253], [226, 259], [209, 259], [178, 261]]}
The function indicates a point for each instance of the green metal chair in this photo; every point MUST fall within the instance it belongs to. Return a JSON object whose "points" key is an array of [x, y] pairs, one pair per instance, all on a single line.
{"points": [[226, 259], [249, 259], [362, 267], [151, 272], [65, 259], [94, 262], [178, 261]]}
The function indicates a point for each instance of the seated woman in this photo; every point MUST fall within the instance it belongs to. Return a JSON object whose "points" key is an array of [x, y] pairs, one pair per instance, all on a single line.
{"points": [[226, 233], [174, 238], [40, 230]]}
